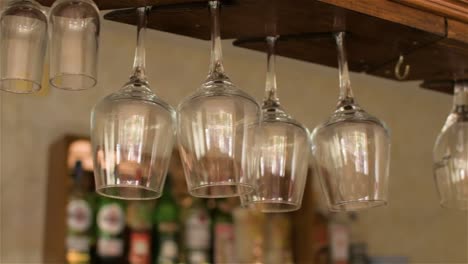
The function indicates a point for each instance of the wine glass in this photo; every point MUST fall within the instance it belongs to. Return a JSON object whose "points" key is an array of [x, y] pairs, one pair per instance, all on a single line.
{"points": [[451, 153], [23, 40], [351, 150], [277, 152], [74, 42], [211, 128], [132, 131]]}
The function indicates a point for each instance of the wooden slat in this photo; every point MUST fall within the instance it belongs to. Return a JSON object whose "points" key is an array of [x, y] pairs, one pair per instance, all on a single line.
{"points": [[394, 12], [249, 18], [116, 4], [454, 9]]}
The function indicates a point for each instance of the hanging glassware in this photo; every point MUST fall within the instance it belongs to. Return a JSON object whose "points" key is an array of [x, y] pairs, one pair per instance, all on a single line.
{"points": [[451, 153], [74, 43], [132, 131], [351, 150], [277, 153], [23, 40], [211, 128]]}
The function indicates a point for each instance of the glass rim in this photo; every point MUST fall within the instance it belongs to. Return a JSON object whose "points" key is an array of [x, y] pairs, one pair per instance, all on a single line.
{"points": [[249, 187], [38, 86], [157, 194], [83, 75], [255, 203], [454, 204], [343, 205]]}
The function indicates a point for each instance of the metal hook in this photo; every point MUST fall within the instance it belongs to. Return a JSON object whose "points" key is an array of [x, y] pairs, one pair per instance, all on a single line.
{"points": [[398, 74]]}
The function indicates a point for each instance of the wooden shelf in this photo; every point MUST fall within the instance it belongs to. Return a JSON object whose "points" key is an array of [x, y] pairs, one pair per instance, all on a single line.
{"points": [[116, 4], [431, 35]]}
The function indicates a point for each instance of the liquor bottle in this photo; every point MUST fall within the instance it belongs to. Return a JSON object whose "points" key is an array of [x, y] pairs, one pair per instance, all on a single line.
{"points": [[111, 231], [338, 229], [223, 227], [166, 226], [80, 219], [197, 233], [140, 225], [278, 239]]}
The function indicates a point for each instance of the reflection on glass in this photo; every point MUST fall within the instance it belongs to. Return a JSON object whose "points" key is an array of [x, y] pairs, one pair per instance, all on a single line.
{"points": [[132, 132], [277, 152], [351, 151], [23, 39], [451, 153], [74, 44], [211, 129]]}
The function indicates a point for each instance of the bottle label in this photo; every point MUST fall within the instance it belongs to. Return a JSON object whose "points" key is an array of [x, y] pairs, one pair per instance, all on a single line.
{"points": [[224, 243], [198, 231], [78, 243], [168, 251], [110, 247], [78, 215], [140, 247], [197, 257], [339, 240], [110, 219]]}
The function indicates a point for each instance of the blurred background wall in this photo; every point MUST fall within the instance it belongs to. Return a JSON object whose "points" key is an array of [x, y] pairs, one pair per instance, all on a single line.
{"points": [[412, 225]]}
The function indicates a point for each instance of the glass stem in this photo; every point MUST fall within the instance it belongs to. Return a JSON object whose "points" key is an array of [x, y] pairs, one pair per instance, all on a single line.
{"points": [[216, 64], [139, 63], [271, 96], [346, 94]]}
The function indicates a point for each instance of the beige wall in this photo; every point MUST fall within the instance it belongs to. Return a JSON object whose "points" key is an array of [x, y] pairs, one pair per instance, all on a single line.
{"points": [[412, 224]]}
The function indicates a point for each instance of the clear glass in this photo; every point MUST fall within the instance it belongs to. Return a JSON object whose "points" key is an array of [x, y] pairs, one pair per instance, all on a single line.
{"points": [[23, 40], [132, 132], [351, 151], [211, 129], [74, 44], [277, 153], [451, 154]]}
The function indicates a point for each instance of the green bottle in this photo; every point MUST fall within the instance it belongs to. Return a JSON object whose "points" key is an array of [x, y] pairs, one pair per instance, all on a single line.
{"points": [[111, 231], [140, 227], [80, 219], [166, 226]]}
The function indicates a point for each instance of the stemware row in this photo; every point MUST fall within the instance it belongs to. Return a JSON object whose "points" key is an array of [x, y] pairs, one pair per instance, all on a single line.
{"points": [[230, 146], [73, 27]]}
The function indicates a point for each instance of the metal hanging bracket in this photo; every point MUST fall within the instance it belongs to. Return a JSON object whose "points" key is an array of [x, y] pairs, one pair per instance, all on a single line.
{"points": [[401, 76]]}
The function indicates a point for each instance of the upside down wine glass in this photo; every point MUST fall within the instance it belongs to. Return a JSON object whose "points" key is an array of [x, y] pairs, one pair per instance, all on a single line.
{"points": [[451, 153], [211, 129], [277, 152], [23, 41], [132, 131], [351, 150]]}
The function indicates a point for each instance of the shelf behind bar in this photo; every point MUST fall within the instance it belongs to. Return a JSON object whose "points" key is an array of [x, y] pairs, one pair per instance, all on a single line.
{"points": [[373, 42], [117, 4]]}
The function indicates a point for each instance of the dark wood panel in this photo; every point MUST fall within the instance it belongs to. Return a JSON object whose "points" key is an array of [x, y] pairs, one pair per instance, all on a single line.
{"points": [[446, 59], [249, 18], [443, 86], [367, 47], [116, 4], [454, 9]]}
